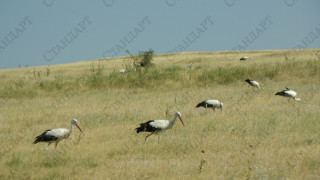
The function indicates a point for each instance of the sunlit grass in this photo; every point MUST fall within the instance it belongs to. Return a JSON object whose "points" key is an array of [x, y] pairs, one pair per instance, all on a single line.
{"points": [[257, 136]]}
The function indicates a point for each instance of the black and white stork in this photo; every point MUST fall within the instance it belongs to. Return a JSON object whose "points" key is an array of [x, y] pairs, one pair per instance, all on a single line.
{"points": [[253, 83], [56, 135], [211, 104], [244, 58], [158, 126], [288, 93]]}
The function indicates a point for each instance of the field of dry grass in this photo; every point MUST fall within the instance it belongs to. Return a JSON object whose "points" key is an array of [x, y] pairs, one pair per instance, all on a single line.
{"points": [[257, 136]]}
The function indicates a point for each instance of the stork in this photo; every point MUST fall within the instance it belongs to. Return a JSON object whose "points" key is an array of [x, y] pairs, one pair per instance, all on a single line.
{"points": [[121, 71], [158, 126], [253, 83], [244, 58], [288, 93], [56, 135], [189, 66], [211, 104]]}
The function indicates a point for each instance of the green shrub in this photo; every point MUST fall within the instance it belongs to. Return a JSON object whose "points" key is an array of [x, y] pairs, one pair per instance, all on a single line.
{"points": [[146, 58]]}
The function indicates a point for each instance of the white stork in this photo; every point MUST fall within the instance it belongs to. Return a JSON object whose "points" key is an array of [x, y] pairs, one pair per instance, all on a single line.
{"points": [[189, 66], [288, 93], [122, 71], [211, 104], [158, 126], [253, 83], [55, 135], [244, 58]]}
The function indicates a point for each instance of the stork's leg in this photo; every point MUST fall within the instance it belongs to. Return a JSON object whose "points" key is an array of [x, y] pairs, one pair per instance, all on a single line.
{"points": [[55, 147], [148, 136], [47, 148]]}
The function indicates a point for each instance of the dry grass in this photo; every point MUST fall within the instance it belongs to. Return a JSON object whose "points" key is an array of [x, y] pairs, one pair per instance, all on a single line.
{"points": [[258, 136]]}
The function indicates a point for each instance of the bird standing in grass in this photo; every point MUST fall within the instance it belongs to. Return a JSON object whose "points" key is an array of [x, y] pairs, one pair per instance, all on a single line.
{"points": [[253, 83], [122, 71], [244, 58], [158, 126], [56, 135], [211, 104], [288, 93]]}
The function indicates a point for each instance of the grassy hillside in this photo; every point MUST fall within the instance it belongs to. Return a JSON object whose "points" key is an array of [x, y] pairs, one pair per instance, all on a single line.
{"points": [[257, 136]]}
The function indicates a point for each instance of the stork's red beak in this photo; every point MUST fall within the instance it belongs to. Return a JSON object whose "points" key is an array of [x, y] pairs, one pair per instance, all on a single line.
{"points": [[78, 126], [221, 108], [181, 120]]}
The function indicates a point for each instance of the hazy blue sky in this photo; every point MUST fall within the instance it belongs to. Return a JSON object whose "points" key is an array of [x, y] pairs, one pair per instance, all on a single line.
{"points": [[46, 32]]}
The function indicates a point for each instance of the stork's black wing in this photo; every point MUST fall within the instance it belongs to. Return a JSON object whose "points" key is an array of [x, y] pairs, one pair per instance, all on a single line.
{"points": [[44, 137], [146, 127]]}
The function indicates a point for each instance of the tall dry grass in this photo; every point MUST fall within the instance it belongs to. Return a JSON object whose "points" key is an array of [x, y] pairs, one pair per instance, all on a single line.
{"points": [[258, 135]]}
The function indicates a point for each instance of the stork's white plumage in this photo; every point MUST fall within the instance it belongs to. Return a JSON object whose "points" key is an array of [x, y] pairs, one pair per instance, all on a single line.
{"points": [[288, 93], [158, 126], [244, 58], [253, 83], [55, 135], [211, 104], [122, 71]]}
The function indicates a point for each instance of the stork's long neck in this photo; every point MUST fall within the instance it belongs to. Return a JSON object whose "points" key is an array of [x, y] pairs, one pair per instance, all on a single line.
{"points": [[71, 127], [171, 123]]}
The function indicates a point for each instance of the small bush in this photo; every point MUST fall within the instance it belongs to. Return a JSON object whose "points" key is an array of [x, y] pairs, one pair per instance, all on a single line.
{"points": [[143, 59], [146, 58]]}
